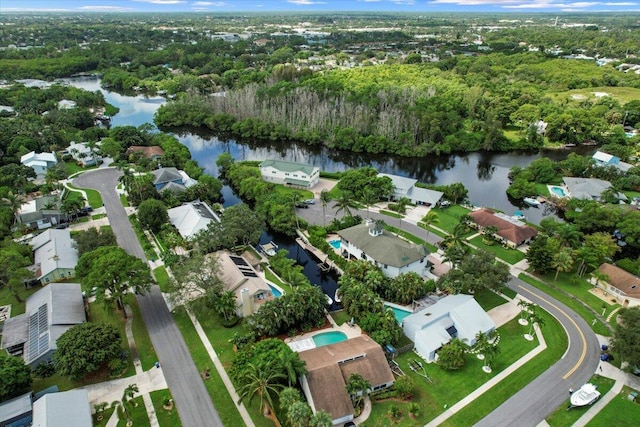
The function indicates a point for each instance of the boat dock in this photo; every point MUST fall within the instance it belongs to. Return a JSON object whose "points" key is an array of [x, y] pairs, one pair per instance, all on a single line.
{"points": [[325, 265]]}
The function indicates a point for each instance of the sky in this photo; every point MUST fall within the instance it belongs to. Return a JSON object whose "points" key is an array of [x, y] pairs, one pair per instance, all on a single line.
{"points": [[553, 6]]}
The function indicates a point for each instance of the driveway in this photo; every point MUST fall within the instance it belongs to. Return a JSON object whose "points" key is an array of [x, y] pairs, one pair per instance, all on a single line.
{"points": [[189, 393]]}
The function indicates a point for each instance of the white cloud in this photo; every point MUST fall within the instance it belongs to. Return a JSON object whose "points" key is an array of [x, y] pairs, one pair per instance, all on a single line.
{"points": [[98, 8], [305, 2], [534, 4], [31, 9], [162, 2], [209, 3]]}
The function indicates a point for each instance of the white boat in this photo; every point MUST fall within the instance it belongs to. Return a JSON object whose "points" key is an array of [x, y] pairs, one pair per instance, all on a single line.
{"points": [[329, 300], [336, 296], [269, 249], [532, 202], [585, 395]]}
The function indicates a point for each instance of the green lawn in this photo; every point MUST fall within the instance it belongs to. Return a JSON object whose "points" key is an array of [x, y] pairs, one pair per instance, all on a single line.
{"points": [[340, 317], [391, 214], [488, 299], [124, 200], [162, 277], [571, 302], [166, 418], [99, 216], [410, 237], [562, 417], [146, 353], [74, 195], [149, 251], [511, 256], [448, 387], [269, 275], [106, 414], [556, 340], [73, 167], [432, 230], [93, 196], [542, 190], [449, 217], [17, 300], [288, 191], [138, 415], [223, 403], [620, 412], [622, 94]]}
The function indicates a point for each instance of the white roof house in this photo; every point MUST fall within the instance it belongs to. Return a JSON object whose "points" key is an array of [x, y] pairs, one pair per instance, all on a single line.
{"points": [[406, 187], [192, 217], [293, 174], [454, 316], [39, 162], [50, 312], [55, 255], [605, 159], [84, 154], [63, 409]]}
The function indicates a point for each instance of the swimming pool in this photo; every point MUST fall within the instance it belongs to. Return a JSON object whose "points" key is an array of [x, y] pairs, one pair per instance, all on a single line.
{"points": [[275, 291], [558, 191], [326, 338], [399, 313], [335, 244]]}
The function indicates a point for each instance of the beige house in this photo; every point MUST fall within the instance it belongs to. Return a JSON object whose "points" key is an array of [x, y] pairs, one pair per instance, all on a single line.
{"points": [[624, 286], [329, 367], [239, 276]]}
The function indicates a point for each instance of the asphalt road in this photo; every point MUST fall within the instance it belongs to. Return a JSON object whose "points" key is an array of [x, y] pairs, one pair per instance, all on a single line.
{"points": [[541, 397], [189, 393]]}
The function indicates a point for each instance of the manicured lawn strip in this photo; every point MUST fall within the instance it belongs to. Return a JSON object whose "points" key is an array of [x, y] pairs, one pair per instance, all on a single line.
{"points": [[509, 292], [391, 214], [162, 277], [99, 216], [223, 403], [165, 418], [106, 414], [146, 353], [561, 417], [270, 276], [580, 287], [340, 316], [149, 252], [449, 217], [449, 387], [620, 412], [288, 191], [73, 167], [410, 237], [572, 303], [18, 301], [432, 230], [138, 415], [556, 340], [488, 299], [542, 190], [74, 195], [124, 200], [631, 194], [511, 256], [93, 196]]}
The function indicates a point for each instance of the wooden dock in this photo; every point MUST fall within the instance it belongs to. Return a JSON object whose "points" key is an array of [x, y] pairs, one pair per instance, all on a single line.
{"points": [[325, 265]]}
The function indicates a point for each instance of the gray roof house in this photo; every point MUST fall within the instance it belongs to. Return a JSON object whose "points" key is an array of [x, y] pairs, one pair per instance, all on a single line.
{"points": [[171, 179], [41, 212], [16, 412], [63, 409], [406, 187], [192, 217], [297, 175], [454, 316], [49, 313], [392, 254], [588, 188], [55, 256]]}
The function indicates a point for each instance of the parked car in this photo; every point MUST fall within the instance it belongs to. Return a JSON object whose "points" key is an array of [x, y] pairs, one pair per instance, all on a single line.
{"points": [[302, 205], [309, 201]]}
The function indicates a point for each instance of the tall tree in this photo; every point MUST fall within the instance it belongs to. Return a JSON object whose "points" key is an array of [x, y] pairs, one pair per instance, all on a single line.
{"points": [[452, 355], [357, 387], [626, 337], [16, 376], [325, 198], [430, 218], [262, 382], [152, 214], [344, 203], [562, 261]]}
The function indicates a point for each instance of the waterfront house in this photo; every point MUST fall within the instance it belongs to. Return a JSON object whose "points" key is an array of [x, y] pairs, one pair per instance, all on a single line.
{"points": [[153, 152], [624, 286], [55, 256], [394, 256], [406, 187], [512, 232], [603, 159], [454, 316], [191, 218], [171, 179], [49, 313], [588, 188], [39, 162], [85, 153], [292, 174], [329, 368], [238, 276]]}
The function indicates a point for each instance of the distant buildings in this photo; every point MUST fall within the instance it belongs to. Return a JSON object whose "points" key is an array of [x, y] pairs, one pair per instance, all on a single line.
{"points": [[39, 162], [329, 368], [55, 256], [603, 159], [84, 153], [292, 174], [406, 187], [512, 232], [394, 256], [191, 218], [454, 316], [50, 312]]}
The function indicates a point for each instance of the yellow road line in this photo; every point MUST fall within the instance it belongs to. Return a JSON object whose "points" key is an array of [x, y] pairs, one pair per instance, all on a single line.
{"points": [[582, 337]]}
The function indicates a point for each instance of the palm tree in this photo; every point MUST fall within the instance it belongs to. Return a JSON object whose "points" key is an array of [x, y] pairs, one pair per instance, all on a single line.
{"points": [[298, 414], [598, 277], [320, 419], [369, 198], [524, 307], [288, 397], [261, 382], [225, 305], [562, 261], [345, 203], [125, 405], [535, 317], [295, 203], [325, 198], [431, 218], [293, 365], [452, 356], [14, 202], [357, 387]]}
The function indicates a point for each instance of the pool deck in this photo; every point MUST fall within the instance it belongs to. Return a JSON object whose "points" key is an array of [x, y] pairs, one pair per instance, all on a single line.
{"points": [[564, 189], [305, 341]]}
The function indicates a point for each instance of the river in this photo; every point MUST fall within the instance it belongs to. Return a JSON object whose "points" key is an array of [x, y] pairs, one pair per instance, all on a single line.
{"points": [[483, 174]]}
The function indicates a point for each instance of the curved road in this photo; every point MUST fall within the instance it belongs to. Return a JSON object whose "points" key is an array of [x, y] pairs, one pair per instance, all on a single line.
{"points": [[191, 397], [542, 396]]}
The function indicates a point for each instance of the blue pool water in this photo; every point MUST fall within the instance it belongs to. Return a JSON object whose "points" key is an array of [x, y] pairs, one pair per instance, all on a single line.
{"points": [[558, 191], [327, 338], [629, 134], [335, 244], [399, 313], [275, 291]]}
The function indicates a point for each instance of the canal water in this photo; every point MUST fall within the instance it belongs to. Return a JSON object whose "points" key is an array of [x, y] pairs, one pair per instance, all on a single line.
{"points": [[484, 174]]}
